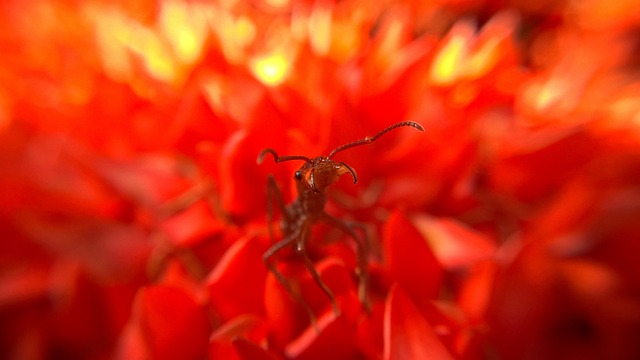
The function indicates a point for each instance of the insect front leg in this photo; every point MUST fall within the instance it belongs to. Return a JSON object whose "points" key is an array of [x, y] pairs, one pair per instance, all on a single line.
{"points": [[273, 195], [268, 259], [362, 254], [315, 275]]}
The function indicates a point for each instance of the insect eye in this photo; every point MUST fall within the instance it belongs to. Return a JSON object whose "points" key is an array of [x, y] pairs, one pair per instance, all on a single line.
{"points": [[298, 175]]}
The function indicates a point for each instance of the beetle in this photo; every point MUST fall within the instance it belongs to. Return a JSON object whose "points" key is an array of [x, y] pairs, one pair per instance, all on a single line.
{"points": [[312, 180]]}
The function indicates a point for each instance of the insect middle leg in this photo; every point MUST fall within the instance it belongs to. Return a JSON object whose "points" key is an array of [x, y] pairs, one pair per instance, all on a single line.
{"points": [[362, 254]]}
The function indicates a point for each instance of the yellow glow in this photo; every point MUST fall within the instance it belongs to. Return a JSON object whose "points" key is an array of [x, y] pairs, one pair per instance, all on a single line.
{"points": [[483, 60], [112, 31], [272, 69], [244, 31], [447, 63], [625, 112], [299, 27], [184, 27], [548, 94], [213, 92], [392, 37], [239, 32], [320, 28], [234, 34], [279, 4], [120, 36], [156, 56], [227, 4]]}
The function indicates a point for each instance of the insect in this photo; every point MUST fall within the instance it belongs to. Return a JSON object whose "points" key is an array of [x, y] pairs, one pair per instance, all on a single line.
{"points": [[312, 180]]}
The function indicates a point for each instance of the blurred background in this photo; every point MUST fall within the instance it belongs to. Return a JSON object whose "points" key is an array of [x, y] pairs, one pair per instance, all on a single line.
{"points": [[133, 213]]}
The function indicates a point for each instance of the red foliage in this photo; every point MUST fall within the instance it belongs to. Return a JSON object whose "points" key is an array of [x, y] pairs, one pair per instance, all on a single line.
{"points": [[133, 218]]}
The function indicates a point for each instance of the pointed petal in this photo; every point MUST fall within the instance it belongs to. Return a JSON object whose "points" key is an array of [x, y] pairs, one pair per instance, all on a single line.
{"points": [[248, 350], [236, 285], [410, 260], [407, 334], [172, 323], [454, 244]]}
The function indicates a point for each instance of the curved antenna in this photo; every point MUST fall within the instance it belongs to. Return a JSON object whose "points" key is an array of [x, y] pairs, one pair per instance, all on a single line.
{"points": [[279, 159], [370, 139]]}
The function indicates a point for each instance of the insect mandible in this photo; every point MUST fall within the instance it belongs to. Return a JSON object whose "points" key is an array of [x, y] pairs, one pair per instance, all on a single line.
{"points": [[312, 180]]}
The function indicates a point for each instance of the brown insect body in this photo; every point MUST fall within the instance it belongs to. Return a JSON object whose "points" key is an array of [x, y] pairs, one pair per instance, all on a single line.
{"points": [[312, 180]]}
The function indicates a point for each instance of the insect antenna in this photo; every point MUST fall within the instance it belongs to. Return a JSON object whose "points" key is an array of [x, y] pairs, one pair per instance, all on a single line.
{"points": [[279, 159], [370, 139]]}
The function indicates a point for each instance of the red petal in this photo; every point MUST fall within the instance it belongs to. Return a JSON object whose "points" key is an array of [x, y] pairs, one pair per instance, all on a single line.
{"points": [[335, 341], [476, 291], [236, 285], [287, 317], [407, 334], [543, 156], [149, 179], [370, 333], [173, 324], [250, 328], [133, 345], [176, 273], [410, 260], [242, 180], [193, 224], [248, 350], [19, 286], [454, 244]]}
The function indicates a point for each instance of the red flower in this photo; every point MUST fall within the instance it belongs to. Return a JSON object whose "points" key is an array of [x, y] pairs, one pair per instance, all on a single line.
{"points": [[133, 214]]}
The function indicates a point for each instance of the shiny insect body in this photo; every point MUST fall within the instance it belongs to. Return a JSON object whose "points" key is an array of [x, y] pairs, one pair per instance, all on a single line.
{"points": [[312, 180]]}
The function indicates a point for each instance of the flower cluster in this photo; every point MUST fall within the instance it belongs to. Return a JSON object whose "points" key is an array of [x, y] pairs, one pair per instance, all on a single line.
{"points": [[134, 216]]}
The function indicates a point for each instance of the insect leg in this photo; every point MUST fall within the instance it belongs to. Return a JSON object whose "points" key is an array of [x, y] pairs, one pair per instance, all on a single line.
{"points": [[273, 195], [314, 273], [362, 254], [270, 263]]}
